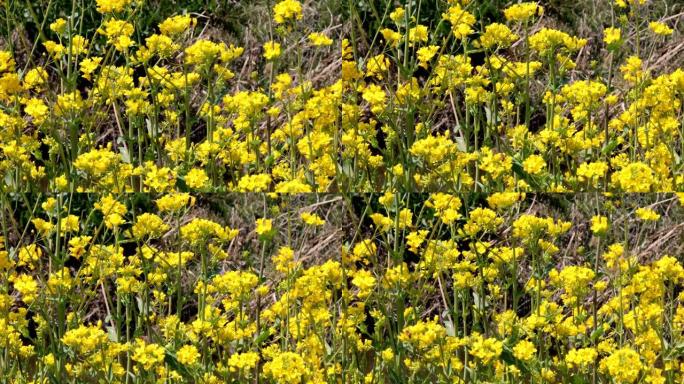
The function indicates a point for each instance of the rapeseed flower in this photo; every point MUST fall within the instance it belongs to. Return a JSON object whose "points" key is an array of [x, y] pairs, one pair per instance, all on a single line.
{"points": [[524, 350], [271, 50], [318, 39], [624, 365], [287, 10], [523, 11], [148, 355], [647, 214], [287, 368], [660, 28], [612, 36], [188, 355], [112, 6]]}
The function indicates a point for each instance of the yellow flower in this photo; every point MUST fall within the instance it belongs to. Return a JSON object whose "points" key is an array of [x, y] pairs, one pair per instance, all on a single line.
{"points": [[461, 21], [405, 218], [56, 50], [377, 66], [204, 53], [243, 361], [68, 103], [398, 15], [59, 26], [284, 260], [623, 365], [548, 40], [387, 355], [497, 34], [286, 368], [524, 350], [79, 44], [415, 239], [287, 10], [574, 280], [177, 25], [591, 172], [382, 222], [254, 183], [69, 224], [160, 45], [188, 355], [362, 251], [112, 210], [264, 226], [375, 96], [424, 334], [42, 226], [35, 78], [29, 256], [37, 109], [433, 149], [611, 36], [149, 225], [365, 281], [660, 28], [534, 164], [196, 178], [481, 219], [85, 340], [97, 162], [174, 202], [501, 200], [7, 62], [548, 374], [27, 286], [632, 69], [89, 65], [486, 350], [311, 219], [201, 230], [78, 245], [425, 54], [495, 163], [446, 206], [635, 177], [110, 6], [419, 33], [647, 214], [5, 262], [61, 183], [271, 50], [580, 358], [599, 225], [118, 33], [318, 39], [523, 11], [148, 355]]}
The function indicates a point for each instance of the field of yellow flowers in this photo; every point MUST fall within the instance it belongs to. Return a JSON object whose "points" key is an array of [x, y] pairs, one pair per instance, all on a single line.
{"points": [[341, 191], [392, 288]]}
